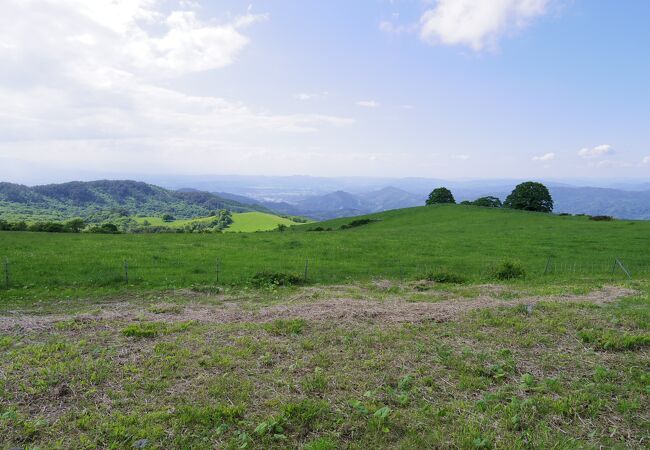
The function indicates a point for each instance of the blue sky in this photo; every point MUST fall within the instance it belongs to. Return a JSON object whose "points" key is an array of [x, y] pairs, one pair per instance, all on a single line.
{"points": [[445, 89]]}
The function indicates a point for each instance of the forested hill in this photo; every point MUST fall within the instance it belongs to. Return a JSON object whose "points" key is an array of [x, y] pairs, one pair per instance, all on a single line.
{"points": [[101, 199]]}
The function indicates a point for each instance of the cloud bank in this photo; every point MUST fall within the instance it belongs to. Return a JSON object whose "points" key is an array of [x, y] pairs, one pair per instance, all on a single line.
{"points": [[100, 73]]}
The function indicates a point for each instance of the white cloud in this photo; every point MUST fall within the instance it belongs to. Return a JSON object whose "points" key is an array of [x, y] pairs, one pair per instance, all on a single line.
{"points": [[460, 157], [596, 152], [646, 160], [97, 72], [368, 103], [477, 24], [545, 157], [306, 96]]}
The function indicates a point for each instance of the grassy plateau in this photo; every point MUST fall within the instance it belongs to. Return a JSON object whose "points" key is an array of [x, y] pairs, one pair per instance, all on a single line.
{"points": [[246, 222], [433, 327]]}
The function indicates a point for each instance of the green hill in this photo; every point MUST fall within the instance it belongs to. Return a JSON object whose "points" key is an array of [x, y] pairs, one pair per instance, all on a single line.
{"points": [[242, 222], [469, 241], [100, 200]]}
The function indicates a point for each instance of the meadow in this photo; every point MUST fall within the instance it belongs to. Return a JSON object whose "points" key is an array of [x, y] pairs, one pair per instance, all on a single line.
{"points": [[247, 222], [399, 244], [369, 353]]}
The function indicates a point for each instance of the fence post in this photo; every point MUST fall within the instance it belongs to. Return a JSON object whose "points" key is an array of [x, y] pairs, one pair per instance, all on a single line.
{"points": [[620, 264], [6, 272], [306, 268], [126, 272], [548, 265], [401, 273], [218, 262]]}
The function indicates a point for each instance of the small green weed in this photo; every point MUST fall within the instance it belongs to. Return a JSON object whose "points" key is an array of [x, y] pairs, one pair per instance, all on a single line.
{"points": [[285, 327], [153, 329], [612, 340]]}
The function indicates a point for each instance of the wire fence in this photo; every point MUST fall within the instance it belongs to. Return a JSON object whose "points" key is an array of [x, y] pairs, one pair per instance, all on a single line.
{"points": [[156, 271]]}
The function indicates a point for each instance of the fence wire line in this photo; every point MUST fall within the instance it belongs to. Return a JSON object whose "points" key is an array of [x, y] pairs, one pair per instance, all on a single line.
{"points": [[158, 271]]}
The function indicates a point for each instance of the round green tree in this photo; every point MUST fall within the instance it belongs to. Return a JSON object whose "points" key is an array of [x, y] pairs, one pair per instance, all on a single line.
{"points": [[530, 196], [488, 202], [440, 195]]}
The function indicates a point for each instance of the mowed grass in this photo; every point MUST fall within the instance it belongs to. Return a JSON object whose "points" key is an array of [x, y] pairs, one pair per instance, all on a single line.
{"points": [[499, 378], [242, 222], [256, 221], [401, 244]]}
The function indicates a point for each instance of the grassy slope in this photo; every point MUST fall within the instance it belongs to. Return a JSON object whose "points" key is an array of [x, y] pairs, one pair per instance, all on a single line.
{"points": [[256, 221], [559, 375], [467, 240], [244, 222]]}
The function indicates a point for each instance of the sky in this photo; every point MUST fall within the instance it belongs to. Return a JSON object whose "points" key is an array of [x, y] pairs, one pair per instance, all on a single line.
{"points": [[452, 89]]}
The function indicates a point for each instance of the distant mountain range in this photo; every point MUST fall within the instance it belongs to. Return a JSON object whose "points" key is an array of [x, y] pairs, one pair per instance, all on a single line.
{"points": [[100, 199], [344, 204], [623, 204]]}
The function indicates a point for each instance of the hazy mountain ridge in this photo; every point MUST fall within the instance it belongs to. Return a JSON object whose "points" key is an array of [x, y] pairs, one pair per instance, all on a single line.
{"points": [[84, 199], [623, 204]]}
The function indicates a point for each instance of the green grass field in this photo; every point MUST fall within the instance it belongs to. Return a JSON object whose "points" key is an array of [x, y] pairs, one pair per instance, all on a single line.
{"points": [[242, 222], [401, 244], [367, 355]]}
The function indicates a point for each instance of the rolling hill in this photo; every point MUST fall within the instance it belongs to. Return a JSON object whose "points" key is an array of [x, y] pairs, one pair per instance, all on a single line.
{"points": [[246, 222], [98, 200], [399, 243], [357, 195]]}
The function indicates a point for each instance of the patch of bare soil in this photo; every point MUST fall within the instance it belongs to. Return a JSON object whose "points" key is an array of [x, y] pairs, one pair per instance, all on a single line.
{"points": [[341, 310]]}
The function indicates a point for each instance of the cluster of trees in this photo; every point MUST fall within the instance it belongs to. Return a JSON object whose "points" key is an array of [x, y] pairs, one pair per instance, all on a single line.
{"points": [[71, 226], [486, 202], [528, 196], [222, 220]]}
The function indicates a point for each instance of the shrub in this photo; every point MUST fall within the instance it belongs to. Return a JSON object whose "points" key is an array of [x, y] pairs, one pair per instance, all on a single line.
{"points": [[262, 279], [509, 270], [105, 228], [488, 202], [357, 223], [601, 218], [48, 227], [75, 225], [445, 276]]}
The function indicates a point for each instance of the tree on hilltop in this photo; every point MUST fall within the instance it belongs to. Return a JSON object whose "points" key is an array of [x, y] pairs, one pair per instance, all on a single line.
{"points": [[488, 202], [440, 195], [530, 196]]}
